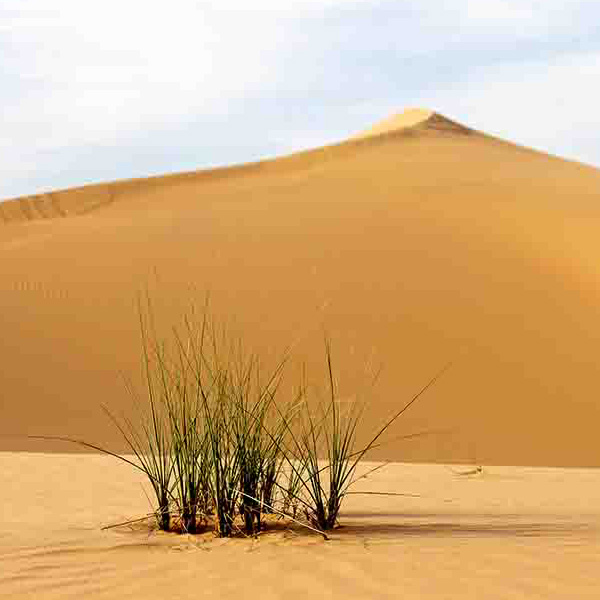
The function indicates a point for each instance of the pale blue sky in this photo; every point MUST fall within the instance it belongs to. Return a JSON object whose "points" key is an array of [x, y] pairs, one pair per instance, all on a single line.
{"points": [[125, 88]]}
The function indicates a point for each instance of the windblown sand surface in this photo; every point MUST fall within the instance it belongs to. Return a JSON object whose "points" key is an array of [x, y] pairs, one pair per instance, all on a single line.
{"points": [[419, 243], [509, 533]]}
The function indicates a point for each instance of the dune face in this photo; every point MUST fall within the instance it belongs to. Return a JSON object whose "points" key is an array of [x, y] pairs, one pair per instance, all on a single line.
{"points": [[416, 243]]}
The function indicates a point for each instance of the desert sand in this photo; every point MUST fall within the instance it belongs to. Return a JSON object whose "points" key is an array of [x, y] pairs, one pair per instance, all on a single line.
{"points": [[416, 243], [510, 533], [422, 242]]}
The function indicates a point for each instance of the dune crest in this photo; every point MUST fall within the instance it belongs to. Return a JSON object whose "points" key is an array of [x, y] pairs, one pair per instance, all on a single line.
{"points": [[82, 200], [415, 119]]}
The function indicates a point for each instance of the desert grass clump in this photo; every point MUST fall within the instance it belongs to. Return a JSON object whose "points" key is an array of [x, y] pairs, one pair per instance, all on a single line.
{"points": [[256, 439], [189, 446], [218, 408], [237, 408], [322, 453], [218, 445]]}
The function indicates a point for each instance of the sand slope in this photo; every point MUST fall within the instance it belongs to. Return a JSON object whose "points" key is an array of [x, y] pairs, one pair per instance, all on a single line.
{"points": [[419, 242]]}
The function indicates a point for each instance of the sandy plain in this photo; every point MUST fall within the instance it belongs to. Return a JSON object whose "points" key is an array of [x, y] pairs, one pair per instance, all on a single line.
{"points": [[509, 532], [418, 242]]}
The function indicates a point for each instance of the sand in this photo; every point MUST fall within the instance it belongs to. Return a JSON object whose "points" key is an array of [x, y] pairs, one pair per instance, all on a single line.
{"points": [[422, 243], [506, 533], [407, 119]]}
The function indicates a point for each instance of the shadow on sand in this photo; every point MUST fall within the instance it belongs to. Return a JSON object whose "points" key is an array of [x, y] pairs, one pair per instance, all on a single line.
{"points": [[397, 525]]}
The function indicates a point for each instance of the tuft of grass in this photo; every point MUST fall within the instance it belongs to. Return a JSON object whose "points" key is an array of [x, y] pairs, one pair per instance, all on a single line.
{"points": [[237, 409], [216, 444], [322, 455]]}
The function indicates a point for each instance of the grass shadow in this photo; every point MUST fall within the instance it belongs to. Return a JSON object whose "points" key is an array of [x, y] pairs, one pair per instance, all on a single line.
{"points": [[399, 525]]}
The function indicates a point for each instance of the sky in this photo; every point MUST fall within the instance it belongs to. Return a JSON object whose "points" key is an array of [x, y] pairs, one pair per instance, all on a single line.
{"points": [[98, 91]]}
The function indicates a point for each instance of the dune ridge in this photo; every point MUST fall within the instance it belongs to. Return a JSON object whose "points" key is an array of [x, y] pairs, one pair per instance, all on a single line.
{"points": [[91, 197], [87, 198]]}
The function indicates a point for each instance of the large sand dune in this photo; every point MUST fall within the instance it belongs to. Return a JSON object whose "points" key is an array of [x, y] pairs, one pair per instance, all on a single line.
{"points": [[416, 243]]}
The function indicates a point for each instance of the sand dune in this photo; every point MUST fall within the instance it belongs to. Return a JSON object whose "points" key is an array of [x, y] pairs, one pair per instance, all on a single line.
{"points": [[419, 242]]}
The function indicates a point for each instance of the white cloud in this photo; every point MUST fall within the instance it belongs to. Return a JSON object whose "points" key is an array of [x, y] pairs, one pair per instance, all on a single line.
{"points": [[92, 69], [550, 106], [104, 74], [519, 18]]}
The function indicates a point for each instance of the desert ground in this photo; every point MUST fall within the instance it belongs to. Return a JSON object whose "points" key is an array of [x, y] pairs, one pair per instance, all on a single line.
{"points": [[508, 532], [417, 243]]}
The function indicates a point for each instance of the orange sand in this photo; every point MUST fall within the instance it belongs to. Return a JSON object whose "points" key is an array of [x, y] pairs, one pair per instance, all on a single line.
{"points": [[509, 533], [419, 243]]}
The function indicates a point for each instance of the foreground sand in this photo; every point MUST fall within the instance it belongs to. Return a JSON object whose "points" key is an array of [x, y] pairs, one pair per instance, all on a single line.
{"points": [[506, 533]]}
